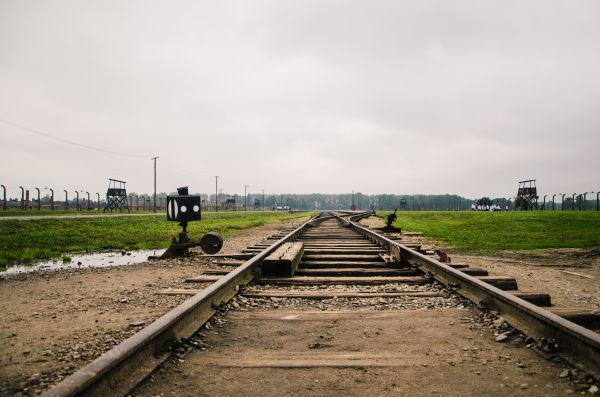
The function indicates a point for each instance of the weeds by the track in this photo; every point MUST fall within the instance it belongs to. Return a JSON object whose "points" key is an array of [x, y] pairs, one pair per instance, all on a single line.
{"points": [[486, 232], [27, 240]]}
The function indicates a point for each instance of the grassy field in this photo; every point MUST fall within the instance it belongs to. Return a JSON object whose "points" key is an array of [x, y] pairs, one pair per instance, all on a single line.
{"points": [[34, 212], [27, 240], [485, 232]]}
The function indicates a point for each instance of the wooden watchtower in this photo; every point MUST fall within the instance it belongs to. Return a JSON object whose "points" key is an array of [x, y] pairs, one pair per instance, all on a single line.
{"points": [[527, 195], [116, 196]]}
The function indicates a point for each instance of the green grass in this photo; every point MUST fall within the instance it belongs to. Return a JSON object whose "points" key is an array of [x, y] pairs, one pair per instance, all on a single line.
{"points": [[28, 240], [43, 212], [486, 232]]}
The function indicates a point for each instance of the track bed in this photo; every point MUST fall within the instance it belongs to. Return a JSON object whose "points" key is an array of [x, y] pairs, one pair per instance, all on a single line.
{"points": [[353, 313], [353, 331]]}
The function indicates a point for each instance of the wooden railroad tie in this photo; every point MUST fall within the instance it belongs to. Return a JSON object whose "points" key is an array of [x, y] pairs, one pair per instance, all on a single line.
{"points": [[418, 280], [321, 295], [284, 261]]}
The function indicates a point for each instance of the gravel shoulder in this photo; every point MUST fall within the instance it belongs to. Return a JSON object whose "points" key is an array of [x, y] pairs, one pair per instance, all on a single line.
{"points": [[570, 276], [399, 346], [54, 322]]}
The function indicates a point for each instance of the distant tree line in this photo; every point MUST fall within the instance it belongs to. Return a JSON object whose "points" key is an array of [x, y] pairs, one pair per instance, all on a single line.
{"points": [[321, 201]]}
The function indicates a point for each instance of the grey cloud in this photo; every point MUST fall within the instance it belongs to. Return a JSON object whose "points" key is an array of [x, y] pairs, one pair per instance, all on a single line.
{"points": [[462, 97]]}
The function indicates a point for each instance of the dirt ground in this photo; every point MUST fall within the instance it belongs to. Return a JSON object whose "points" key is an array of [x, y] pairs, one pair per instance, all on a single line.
{"points": [[53, 322], [570, 276], [410, 346], [356, 353]]}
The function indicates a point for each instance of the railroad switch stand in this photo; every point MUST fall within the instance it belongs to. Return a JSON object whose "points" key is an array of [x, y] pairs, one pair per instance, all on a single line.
{"points": [[388, 223], [184, 208]]}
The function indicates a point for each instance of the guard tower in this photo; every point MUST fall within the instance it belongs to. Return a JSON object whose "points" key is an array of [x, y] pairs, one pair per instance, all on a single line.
{"points": [[527, 196], [229, 202], [116, 196]]}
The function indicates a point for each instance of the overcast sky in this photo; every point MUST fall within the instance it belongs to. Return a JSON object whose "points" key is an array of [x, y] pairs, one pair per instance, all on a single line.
{"points": [[464, 97]]}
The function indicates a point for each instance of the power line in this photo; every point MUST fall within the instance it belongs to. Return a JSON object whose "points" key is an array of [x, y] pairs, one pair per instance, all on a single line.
{"points": [[37, 132], [188, 170]]}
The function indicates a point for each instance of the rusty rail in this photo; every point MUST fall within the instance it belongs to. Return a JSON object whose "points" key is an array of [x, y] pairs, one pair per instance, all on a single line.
{"points": [[120, 369], [576, 344]]}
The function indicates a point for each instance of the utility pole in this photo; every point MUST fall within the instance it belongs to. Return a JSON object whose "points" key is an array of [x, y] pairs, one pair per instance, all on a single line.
{"points": [[154, 159], [245, 198], [216, 193], [263, 199]]}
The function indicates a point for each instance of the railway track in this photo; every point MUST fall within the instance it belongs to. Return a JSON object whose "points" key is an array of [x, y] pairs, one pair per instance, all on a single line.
{"points": [[356, 296]]}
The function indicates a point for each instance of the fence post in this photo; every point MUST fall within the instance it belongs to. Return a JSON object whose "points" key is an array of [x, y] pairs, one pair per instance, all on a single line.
{"points": [[22, 197], [544, 204], [3, 197], [51, 198], [39, 201]]}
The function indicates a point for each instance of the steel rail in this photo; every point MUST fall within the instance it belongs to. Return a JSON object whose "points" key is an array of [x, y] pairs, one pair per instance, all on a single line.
{"points": [[120, 369], [576, 344]]}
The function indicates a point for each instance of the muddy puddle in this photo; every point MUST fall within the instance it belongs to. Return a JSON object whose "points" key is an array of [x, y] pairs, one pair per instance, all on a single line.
{"points": [[78, 261]]}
